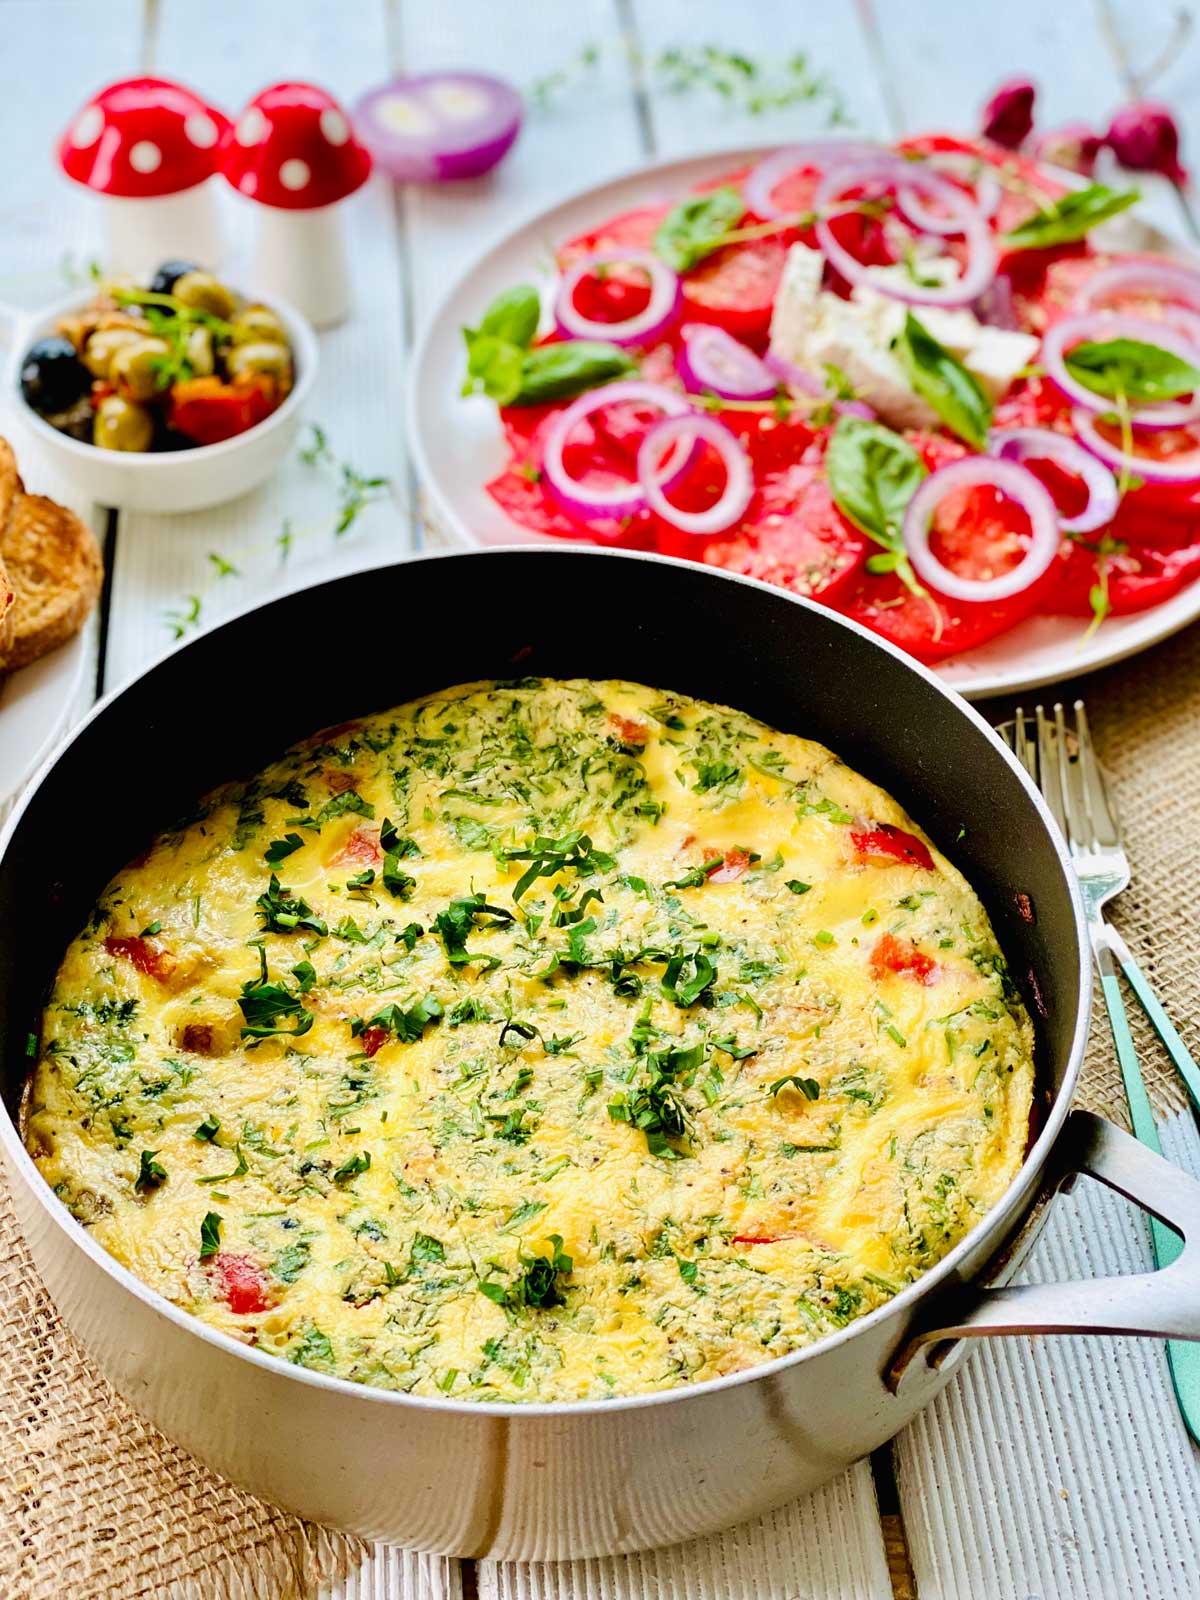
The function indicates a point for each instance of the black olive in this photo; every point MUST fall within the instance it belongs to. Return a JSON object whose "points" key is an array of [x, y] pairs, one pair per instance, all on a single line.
{"points": [[52, 376], [163, 280]]}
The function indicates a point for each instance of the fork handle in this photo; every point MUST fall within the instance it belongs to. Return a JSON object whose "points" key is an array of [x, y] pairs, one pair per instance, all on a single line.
{"points": [[1183, 1359], [1163, 1026]]}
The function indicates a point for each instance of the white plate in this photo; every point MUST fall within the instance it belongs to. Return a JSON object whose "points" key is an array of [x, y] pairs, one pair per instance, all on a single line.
{"points": [[34, 706], [458, 446]]}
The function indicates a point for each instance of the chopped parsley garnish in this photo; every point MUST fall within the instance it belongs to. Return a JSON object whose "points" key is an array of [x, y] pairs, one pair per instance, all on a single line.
{"points": [[406, 1026], [283, 912], [455, 925], [264, 1003], [279, 849], [207, 1130], [808, 1087], [797, 887], [539, 1285], [150, 1173], [353, 1166], [574, 852], [210, 1234]]}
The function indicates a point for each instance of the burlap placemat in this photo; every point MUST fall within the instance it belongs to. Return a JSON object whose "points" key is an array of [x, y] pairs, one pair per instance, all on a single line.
{"points": [[96, 1504]]}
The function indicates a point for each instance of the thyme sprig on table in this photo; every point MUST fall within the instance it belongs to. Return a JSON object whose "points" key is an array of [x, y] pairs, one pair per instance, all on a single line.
{"points": [[356, 491]]}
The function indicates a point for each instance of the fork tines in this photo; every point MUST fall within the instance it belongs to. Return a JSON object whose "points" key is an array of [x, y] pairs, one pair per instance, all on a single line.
{"points": [[1060, 757]]}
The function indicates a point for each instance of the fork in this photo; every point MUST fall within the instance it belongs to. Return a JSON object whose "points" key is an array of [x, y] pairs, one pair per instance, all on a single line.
{"points": [[1062, 761]]}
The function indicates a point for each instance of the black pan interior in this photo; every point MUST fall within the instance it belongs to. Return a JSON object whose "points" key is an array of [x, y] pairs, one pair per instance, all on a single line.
{"points": [[224, 705]]}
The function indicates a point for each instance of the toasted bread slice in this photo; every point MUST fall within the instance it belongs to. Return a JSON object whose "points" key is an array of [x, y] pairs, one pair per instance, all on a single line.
{"points": [[55, 569], [7, 616], [10, 482]]}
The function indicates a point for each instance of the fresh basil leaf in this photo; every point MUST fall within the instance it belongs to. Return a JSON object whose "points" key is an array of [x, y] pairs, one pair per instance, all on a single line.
{"points": [[942, 380], [513, 315], [494, 367], [873, 473], [1129, 369], [1071, 218], [559, 371], [210, 1234], [697, 226]]}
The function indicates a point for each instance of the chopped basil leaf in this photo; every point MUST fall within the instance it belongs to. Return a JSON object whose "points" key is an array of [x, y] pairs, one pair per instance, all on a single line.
{"points": [[150, 1173], [279, 849], [943, 381], [207, 1130], [1070, 218], [1127, 369], [808, 1087], [210, 1234], [697, 226], [873, 474]]}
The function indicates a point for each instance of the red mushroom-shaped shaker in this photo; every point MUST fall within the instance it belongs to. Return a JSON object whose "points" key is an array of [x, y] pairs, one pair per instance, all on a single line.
{"points": [[293, 152], [151, 149]]}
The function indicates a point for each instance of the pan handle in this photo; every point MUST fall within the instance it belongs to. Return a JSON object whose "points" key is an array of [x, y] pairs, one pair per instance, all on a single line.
{"points": [[1160, 1305]]}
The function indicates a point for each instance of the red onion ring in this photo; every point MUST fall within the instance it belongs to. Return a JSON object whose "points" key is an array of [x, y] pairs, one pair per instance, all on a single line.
{"points": [[619, 500], [982, 178], [711, 359], [816, 154], [1043, 444], [1168, 281], [1011, 480], [1090, 437], [1102, 325], [739, 481], [981, 266], [439, 125], [660, 311]]}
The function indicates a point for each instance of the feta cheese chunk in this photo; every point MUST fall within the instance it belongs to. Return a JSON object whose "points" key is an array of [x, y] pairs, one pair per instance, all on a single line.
{"points": [[814, 330]]}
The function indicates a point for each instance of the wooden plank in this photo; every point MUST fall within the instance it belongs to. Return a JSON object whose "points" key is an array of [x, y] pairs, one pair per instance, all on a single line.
{"points": [[819, 1548], [585, 132], [768, 33], [1060, 1468], [229, 50]]}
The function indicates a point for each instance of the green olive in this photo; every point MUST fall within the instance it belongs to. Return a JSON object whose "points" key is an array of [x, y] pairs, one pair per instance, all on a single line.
{"points": [[199, 348], [122, 425], [136, 366], [256, 323], [202, 292], [102, 346], [268, 359]]}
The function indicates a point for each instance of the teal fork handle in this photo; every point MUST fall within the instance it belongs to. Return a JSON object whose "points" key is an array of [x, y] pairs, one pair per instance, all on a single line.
{"points": [[1163, 1026], [1183, 1359]]}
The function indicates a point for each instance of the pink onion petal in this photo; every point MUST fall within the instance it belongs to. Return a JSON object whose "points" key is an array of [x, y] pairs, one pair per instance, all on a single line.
{"points": [[1013, 481], [1043, 444], [657, 316], [981, 267], [617, 500], [1182, 470], [739, 480], [795, 377], [1102, 326], [982, 177], [822, 155], [711, 359]]}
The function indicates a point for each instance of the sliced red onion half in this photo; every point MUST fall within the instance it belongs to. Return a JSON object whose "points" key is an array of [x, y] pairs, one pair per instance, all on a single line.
{"points": [[1010, 480], [587, 503], [888, 174], [739, 474], [1043, 444], [1175, 286], [958, 164], [711, 359], [1183, 469], [439, 125], [822, 155], [1103, 326], [660, 311]]}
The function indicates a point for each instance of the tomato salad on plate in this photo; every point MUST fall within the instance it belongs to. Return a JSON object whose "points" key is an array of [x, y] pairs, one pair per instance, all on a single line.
{"points": [[910, 382]]}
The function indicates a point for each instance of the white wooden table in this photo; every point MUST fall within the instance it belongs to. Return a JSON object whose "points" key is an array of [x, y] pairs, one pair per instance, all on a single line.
{"points": [[1057, 1469]]}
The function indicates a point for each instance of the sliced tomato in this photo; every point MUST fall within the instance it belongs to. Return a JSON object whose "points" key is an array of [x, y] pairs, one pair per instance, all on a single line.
{"points": [[900, 955], [207, 410], [732, 867], [886, 842], [144, 954], [241, 1283], [1138, 574], [735, 288], [627, 731], [372, 1040]]}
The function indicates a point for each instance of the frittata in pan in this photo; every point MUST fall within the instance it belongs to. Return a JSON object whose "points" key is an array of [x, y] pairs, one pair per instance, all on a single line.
{"points": [[535, 1041]]}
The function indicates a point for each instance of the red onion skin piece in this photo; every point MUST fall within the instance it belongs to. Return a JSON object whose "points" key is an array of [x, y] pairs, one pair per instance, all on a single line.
{"points": [[691, 361], [1145, 138], [1008, 115]]}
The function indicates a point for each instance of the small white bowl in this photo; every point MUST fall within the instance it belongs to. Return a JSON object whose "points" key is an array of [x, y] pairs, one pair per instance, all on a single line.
{"points": [[170, 480]]}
